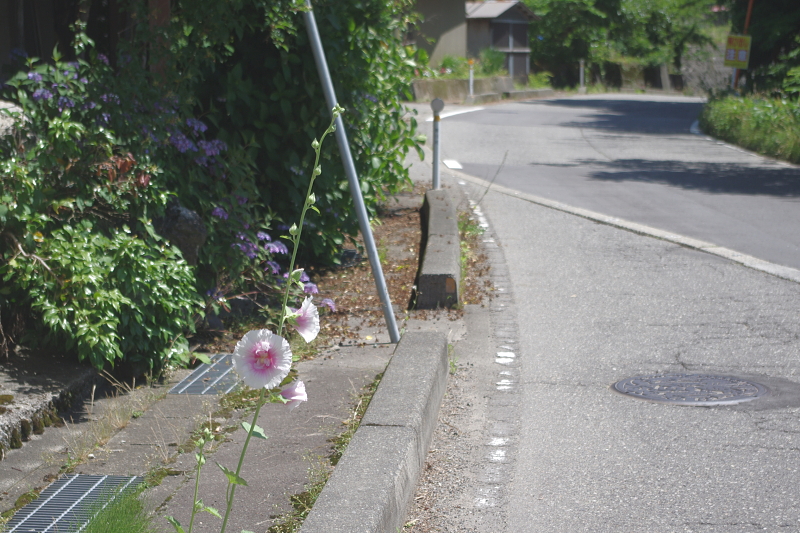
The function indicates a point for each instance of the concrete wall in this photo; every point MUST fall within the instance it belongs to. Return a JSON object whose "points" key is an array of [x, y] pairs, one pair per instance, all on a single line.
{"points": [[443, 30], [456, 91]]}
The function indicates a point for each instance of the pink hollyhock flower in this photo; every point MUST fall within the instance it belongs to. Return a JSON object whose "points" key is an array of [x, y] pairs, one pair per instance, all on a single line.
{"points": [[306, 320], [295, 393], [262, 359]]}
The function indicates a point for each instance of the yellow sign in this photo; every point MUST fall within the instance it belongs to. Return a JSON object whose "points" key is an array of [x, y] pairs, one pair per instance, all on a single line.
{"points": [[737, 51]]}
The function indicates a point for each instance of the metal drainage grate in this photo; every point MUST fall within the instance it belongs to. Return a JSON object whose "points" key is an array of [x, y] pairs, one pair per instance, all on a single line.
{"points": [[216, 378], [691, 389], [69, 503]]}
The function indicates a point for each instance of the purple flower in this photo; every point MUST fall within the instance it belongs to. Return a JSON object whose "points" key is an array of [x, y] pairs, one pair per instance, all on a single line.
{"points": [[84, 81], [276, 247], [34, 76], [219, 213], [182, 142], [241, 199], [196, 125], [263, 236], [64, 102], [212, 148], [327, 302], [310, 288], [103, 58], [276, 269], [110, 97], [106, 117], [42, 94], [202, 161], [248, 248], [304, 277]]}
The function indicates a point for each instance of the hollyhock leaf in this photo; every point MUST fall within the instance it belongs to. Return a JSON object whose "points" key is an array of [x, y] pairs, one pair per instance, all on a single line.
{"points": [[211, 510], [262, 359], [258, 432], [203, 358], [175, 524], [233, 479]]}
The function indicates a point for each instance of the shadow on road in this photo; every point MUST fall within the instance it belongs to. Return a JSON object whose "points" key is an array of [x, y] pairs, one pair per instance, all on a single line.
{"points": [[631, 116], [708, 177]]}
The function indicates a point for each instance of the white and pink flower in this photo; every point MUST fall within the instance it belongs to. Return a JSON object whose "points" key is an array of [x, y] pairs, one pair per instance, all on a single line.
{"points": [[306, 320], [295, 394], [262, 359]]}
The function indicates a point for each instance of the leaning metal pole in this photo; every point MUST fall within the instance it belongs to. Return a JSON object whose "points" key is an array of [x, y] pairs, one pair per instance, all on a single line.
{"points": [[352, 176]]}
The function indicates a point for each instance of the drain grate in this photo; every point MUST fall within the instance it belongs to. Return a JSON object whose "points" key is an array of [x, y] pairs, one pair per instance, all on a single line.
{"points": [[69, 503], [691, 389], [216, 378]]}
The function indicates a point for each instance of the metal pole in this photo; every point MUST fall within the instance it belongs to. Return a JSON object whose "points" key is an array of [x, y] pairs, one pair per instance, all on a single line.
{"points": [[582, 75], [352, 177], [436, 105], [737, 72], [471, 79]]}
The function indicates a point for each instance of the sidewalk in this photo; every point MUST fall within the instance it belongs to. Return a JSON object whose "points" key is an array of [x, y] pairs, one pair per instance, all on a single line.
{"points": [[151, 444]]}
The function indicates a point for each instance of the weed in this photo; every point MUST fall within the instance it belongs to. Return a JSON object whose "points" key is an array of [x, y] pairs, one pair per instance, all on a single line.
{"points": [[126, 513], [118, 410], [304, 501], [451, 358]]}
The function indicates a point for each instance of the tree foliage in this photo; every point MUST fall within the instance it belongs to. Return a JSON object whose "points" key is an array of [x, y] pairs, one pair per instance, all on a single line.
{"points": [[775, 31], [613, 32]]}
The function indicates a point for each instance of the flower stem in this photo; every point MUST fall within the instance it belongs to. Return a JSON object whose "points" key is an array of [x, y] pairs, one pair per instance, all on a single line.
{"points": [[296, 244]]}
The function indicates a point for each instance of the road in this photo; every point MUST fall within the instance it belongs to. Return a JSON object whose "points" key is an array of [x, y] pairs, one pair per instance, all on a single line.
{"points": [[633, 157], [538, 439]]}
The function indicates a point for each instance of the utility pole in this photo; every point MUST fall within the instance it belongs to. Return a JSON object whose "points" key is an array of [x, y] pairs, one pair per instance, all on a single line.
{"points": [[738, 72]]}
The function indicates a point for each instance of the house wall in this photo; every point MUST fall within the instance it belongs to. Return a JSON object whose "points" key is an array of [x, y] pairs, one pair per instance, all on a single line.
{"points": [[479, 36], [443, 30]]}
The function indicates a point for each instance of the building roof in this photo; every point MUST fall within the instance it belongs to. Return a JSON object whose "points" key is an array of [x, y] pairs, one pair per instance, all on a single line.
{"points": [[491, 9]]}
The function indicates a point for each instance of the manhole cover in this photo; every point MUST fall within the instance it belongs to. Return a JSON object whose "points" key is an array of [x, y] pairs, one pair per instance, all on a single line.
{"points": [[691, 389]]}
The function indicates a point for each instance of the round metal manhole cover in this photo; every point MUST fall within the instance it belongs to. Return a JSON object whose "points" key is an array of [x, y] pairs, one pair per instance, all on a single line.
{"points": [[691, 389]]}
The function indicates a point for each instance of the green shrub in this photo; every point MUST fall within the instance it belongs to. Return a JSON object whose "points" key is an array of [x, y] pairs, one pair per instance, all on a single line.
{"points": [[765, 125], [221, 117], [540, 80], [454, 67], [492, 62]]}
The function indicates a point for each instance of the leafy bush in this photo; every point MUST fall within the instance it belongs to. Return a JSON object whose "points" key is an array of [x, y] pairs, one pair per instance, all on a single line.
{"points": [[768, 126], [540, 80], [78, 248], [492, 62], [219, 118]]}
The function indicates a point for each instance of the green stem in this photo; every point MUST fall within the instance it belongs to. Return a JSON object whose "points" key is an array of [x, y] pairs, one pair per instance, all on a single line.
{"points": [[296, 243], [196, 486]]}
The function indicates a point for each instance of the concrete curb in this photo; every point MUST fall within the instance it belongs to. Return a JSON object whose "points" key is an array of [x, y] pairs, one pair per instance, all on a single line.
{"points": [[440, 268], [375, 479]]}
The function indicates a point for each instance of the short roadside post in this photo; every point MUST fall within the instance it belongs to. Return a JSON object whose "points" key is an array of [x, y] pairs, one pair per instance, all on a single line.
{"points": [[471, 77], [582, 89], [437, 105]]}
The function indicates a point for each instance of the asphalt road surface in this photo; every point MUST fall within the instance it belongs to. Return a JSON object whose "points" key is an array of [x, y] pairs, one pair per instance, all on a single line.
{"points": [[634, 157], [581, 306]]}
